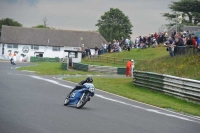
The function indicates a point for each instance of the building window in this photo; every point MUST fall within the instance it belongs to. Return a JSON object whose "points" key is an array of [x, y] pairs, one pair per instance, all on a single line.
{"points": [[34, 47], [56, 48], [12, 45], [73, 54], [15, 46], [9, 45]]}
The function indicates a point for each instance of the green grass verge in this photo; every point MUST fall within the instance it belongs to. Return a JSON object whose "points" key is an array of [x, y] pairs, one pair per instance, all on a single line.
{"points": [[125, 88], [53, 68]]}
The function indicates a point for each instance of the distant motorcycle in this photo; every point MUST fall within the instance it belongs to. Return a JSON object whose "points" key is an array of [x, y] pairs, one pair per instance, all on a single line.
{"points": [[12, 61], [80, 97]]}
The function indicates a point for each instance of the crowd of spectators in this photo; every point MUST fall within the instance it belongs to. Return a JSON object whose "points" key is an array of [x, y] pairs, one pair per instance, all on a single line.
{"points": [[174, 43], [177, 43], [105, 48]]}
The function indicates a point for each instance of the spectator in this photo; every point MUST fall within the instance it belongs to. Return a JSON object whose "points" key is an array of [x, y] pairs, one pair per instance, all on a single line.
{"points": [[160, 38], [198, 44], [128, 68], [87, 51], [117, 42], [132, 69], [165, 36], [172, 35], [184, 40], [189, 41], [177, 43], [120, 49], [193, 40], [137, 42], [156, 36], [103, 50], [131, 43], [149, 40], [109, 47], [155, 44], [96, 50], [142, 45], [170, 46], [127, 41]]}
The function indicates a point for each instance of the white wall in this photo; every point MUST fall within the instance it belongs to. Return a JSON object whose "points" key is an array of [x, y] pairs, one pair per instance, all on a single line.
{"points": [[48, 52]]}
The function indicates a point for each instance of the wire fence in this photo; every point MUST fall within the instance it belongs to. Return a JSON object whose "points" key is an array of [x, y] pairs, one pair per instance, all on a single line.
{"points": [[111, 60], [187, 50]]}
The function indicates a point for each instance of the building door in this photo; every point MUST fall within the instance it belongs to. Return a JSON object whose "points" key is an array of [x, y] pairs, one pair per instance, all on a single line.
{"points": [[40, 55]]}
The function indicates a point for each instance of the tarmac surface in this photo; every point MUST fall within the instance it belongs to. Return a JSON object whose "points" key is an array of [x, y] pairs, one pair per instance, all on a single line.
{"points": [[32, 103]]}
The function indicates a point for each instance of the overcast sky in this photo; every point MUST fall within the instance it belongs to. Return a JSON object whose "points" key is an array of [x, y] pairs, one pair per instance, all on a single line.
{"points": [[83, 14]]}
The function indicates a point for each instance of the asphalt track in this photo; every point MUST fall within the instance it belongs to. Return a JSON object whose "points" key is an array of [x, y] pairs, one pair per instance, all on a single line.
{"points": [[32, 103]]}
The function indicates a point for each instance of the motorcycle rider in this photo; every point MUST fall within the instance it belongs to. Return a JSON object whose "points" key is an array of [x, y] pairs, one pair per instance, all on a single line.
{"points": [[12, 61], [80, 85]]}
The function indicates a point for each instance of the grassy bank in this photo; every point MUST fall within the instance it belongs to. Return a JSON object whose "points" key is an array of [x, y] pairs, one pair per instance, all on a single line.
{"points": [[158, 60], [137, 54], [125, 88], [181, 66]]}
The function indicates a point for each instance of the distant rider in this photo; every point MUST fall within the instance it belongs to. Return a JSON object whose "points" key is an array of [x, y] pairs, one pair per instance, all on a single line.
{"points": [[12, 61], [80, 85]]}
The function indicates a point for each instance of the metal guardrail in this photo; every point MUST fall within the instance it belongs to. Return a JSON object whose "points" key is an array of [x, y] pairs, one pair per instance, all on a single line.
{"points": [[44, 59], [101, 69], [79, 66], [180, 87]]}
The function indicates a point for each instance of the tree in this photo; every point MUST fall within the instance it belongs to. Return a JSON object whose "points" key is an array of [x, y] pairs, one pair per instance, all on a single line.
{"points": [[43, 26], [189, 9], [40, 26], [114, 25], [9, 22]]}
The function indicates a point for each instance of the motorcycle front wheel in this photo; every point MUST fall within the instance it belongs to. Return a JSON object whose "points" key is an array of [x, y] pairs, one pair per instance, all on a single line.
{"points": [[82, 101], [66, 101]]}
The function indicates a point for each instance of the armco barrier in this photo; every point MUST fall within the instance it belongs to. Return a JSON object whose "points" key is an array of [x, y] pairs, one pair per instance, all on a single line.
{"points": [[79, 66], [44, 59], [180, 87], [102, 69], [121, 71], [64, 66]]}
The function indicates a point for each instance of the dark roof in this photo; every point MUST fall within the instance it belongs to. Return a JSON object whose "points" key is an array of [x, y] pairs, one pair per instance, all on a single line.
{"points": [[40, 36], [189, 28]]}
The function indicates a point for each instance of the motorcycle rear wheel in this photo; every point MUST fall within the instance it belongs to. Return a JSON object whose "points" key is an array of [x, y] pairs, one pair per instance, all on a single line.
{"points": [[82, 101]]}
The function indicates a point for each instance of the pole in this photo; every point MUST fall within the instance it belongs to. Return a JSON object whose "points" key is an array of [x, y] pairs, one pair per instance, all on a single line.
{"points": [[176, 23]]}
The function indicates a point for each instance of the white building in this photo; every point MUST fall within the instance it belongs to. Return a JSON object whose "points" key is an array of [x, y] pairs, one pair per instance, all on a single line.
{"points": [[46, 43]]}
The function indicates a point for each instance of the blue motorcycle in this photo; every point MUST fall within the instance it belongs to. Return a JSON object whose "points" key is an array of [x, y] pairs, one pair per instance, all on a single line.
{"points": [[80, 97]]}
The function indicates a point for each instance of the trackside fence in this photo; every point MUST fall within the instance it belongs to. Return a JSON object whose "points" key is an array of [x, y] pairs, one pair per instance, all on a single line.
{"points": [[44, 59], [101, 69], [180, 87]]}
